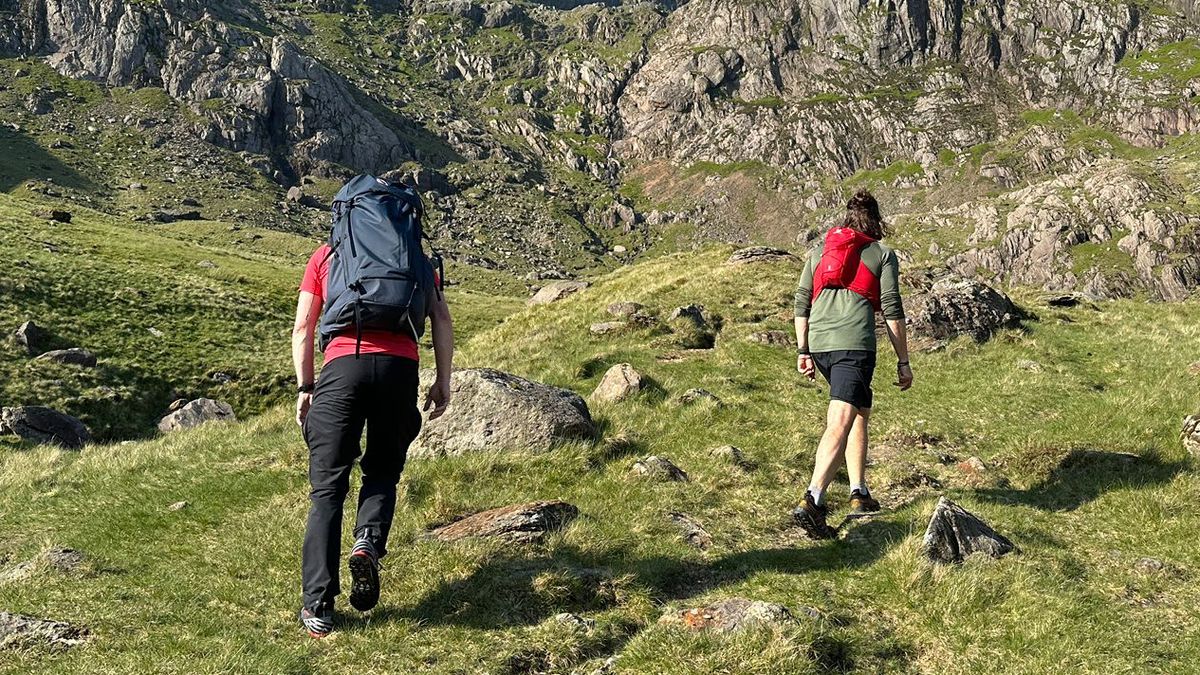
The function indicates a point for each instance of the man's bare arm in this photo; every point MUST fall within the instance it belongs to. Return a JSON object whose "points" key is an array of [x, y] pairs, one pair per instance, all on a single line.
{"points": [[804, 362], [308, 311], [442, 326], [898, 334]]}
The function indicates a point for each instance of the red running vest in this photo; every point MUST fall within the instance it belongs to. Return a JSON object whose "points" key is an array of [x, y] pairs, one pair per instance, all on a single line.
{"points": [[841, 266]]}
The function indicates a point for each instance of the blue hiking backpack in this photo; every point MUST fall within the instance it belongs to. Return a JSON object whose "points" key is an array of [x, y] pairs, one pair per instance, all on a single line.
{"points": [[379, 276]]}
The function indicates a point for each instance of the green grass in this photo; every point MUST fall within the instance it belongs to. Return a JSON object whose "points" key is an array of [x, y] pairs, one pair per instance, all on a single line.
{"points": [[213, 587], [1177, 62]]}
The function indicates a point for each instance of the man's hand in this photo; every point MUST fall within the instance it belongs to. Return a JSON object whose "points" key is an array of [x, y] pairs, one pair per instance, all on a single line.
{"points": [[804, 364], [303, 404], [904, 377], [438, 398]]}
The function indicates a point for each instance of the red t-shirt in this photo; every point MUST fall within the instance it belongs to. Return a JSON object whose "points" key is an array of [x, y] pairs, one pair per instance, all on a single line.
{"points": [[373, 342]]}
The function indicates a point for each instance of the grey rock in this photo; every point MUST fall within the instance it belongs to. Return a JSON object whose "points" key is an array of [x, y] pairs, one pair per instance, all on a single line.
{"points": [[954, 307], [178, 506], [619, 383], [608, 327], [295, 194], [493, 410], [557, 290], [954, 534], [772, 338], [575, 621], [1190, 435], [60, 216], [18, 632], [731, 454], [691, 529], [518, 523], [57, 560], [693, 327], [624, 309], [657, 468], [733, 614], [760, 254], [1149, 565], [1030, 365], [196, 413], [74, 356], [45, 426], [31, 337], [695, 396]]}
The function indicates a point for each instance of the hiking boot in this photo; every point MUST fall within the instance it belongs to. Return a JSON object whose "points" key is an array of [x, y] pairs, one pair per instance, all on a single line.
{"points": [[811, 518], [319, 623], [364, 569], [861, 501]]}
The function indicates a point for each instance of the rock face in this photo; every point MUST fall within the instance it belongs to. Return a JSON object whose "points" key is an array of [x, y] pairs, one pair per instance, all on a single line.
{"points": [[30, 337], [730, 615], [556, 290], [198, 412], [46, 426], [619, 383], [953, 307], [24, 632], [953, 534], [658, 469], [74, 356], [757, 254], [519, 523], [1191, 434], [493, 410]]}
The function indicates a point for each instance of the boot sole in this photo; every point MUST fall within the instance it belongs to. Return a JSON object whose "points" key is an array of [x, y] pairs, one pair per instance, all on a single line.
{"points": [[364, 593], [811, 527]]}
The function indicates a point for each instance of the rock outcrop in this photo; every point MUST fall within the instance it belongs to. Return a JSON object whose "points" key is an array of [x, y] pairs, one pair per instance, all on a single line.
{"points": [[691, 530], [493, 410], [196, 413], [45, 426], [30, 337], [954, 534], [74, 356], [657, 469], [618, 384], [556, 290], [519, 523], [25, 632], [952, 307], [731, 615], [1191, 435]]}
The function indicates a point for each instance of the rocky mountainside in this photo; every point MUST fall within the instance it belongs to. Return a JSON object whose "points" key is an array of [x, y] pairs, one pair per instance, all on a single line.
{"points": [[1052, 143]]}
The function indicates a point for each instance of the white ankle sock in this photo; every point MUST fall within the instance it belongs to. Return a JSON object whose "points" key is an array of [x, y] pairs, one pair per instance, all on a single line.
{"points": [[859, 487], [817, 493]]}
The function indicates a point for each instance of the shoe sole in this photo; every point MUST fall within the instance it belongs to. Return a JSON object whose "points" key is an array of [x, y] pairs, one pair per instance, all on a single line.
{"points": [[811, 527], [364, 593]]}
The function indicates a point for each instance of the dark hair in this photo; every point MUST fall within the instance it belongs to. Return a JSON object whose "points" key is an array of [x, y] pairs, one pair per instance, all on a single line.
{"points": [[862, 214]]}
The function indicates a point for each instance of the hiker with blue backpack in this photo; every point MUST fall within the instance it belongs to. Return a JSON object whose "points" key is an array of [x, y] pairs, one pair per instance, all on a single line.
{"points": [[845, 283], [366, 294]]}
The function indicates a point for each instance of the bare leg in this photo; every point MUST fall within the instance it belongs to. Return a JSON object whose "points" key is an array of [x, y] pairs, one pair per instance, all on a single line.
{"points": [[838, 422], [856, 448]]}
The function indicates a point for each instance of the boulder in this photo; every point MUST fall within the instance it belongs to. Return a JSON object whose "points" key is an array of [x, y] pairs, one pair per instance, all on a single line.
{"points": [[694, 396], [657, 468], [624, 309], [31, 337], [19, 632], [732, 614], [953, 307], [693, 327], [760, 254], [608, 327], [46, 426], [198, 412], [295, 194], [619, 383], [1191, 435], [518, 523], [74, 356], [493, 410], [691, 529], [557, 290], [954, 534], [59, 216], [772, 338]]}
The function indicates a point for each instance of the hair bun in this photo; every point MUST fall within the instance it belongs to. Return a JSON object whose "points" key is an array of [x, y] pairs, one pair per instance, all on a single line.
{"points": [[861, 201]]}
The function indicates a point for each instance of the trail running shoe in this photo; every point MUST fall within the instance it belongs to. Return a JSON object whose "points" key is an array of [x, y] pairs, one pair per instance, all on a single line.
{"points": [[319, 623], [811, 517], [364, 569], [861, 501]]}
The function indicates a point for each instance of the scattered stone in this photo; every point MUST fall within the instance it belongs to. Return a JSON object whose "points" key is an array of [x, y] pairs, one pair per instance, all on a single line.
{"points": [[757, 254], [136, 186], [1191, 434], [608, 327], [74, 356], [177, 404], [44, 426], [519, 523], [59, 216], [1063, 300], [972, 466], [619, 383], [953, 307], [207, 264], [198, 412], [557, 290], [693, 396], [170, 216], [624, 309], [693, 532], [178, 506], [31, 337], [772, 338], [1194, 368], [57, 559], [954, 534], [657, 469], [295, 194], [693, 327], [732, 614], [575, 621], [155, 332], [188, 201], [24, 632], [618, 249], [733, 455], [1031, 366], [221, 377], [1149, 565], [494, 410]]}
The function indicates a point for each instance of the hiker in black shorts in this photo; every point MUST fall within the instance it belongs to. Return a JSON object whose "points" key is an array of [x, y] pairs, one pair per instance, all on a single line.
{"points": [[845, 282]]}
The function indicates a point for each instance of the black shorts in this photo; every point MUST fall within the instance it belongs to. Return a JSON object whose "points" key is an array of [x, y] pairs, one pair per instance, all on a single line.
{"points": [[849, 373]]}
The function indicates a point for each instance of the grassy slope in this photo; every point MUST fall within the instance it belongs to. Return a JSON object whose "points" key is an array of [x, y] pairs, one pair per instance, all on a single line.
{"points": [[213, 587]]}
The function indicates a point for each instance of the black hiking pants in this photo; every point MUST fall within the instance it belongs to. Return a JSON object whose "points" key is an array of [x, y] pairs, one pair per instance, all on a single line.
{"points": [[379, 391]]}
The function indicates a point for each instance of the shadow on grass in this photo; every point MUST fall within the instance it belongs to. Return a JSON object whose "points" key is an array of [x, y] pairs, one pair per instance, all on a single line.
{"points": [[508, 591], [1084, 475], [24, 159]]}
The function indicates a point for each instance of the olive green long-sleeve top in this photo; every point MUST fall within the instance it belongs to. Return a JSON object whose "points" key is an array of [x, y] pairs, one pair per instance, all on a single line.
{"points": [[841, 318]]}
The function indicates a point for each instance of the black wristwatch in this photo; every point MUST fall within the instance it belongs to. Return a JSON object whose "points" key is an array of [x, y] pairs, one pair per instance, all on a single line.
{"points": [[901, 364], [306, 388], [805, 352]]}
